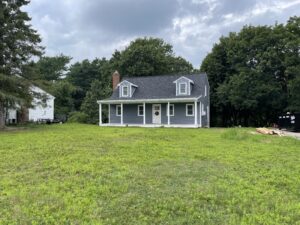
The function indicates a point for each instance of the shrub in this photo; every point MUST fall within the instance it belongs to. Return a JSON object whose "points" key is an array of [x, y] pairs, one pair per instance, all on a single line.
{"points": [[78, 117]]}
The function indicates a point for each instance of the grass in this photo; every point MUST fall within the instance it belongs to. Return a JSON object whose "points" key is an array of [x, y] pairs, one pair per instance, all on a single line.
{"points": [[82, 174]]}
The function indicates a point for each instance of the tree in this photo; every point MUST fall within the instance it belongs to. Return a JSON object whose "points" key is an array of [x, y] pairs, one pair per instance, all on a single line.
{"points": [[64, 102], [53, 68], [250, 73], [82, 74], [99, 90], [19, 42], [149, 56]]}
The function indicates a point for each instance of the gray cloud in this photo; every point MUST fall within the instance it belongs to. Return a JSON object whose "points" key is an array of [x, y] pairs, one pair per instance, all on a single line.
{"points": [[129, 17], [95, 28]]}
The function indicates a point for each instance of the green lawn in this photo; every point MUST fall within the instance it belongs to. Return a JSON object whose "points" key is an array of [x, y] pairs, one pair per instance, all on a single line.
{"points": [[83, 174]]}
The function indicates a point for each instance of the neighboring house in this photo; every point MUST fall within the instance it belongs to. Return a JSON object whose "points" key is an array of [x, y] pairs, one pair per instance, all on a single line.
{"points": [[167, 100], [43, 109]]}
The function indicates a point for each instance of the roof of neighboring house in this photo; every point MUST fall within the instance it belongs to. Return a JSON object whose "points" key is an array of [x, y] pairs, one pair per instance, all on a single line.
{"points": [[162, 86]]}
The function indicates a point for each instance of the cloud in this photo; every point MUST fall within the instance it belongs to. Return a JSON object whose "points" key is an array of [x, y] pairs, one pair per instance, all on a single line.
{"points": [[95, 28]]}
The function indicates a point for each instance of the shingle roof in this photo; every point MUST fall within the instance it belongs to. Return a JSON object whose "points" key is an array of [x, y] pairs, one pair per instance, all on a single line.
{"points": [[162, 86]]}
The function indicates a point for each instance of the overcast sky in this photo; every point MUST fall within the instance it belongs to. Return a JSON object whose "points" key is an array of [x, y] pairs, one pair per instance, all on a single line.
{"points": [[95, 28]]}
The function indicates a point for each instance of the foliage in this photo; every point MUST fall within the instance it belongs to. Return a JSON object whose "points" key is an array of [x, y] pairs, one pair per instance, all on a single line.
{"points": [[250, 73], [64, 102], [149, 56], [99, 90], [53, 68], [19, 42], [84, 174], [82, 74], [78, 117]]}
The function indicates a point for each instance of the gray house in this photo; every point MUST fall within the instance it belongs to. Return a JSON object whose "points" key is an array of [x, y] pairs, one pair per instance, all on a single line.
{"points": [[166, 100]]}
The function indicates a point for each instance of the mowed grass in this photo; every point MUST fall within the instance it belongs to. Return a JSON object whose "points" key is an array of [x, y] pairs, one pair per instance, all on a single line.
{"points": [[84, 174]]}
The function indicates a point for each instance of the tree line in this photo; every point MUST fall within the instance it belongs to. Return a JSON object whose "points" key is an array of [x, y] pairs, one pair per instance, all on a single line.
{"points": [[254, 74]]}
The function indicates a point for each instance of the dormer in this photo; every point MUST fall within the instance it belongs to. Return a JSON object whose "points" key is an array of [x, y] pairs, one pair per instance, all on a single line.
{"points": [[183, 86], [126, 89]]}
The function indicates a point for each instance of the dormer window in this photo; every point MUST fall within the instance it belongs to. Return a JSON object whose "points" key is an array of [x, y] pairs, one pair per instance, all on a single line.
{"points": [[125, 91], [182, 88]]}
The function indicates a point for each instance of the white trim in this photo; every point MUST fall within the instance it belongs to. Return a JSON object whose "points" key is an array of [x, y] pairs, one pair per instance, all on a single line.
{"points": [[123, 81], [100, 114], [186, 109], [208, 117], [173, 110], [151, 125], [118, 106], [196, 113], [121, 113], [108, 113], [191, 81], [179, 88], [138, 110], [200, 114], [168, 112], [205, 90], [144, 118], [153, 100], [122, 90]]}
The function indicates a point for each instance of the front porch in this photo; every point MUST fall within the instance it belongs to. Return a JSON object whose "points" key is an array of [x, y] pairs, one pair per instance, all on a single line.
{"points": [[174, 113]]}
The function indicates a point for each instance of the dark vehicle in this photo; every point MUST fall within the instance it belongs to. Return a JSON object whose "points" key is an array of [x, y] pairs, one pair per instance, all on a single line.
{"points": [[289, 121]]}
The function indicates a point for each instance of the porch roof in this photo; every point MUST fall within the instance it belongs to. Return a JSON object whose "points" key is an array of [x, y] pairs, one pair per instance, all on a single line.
{"points": [[132, 101]]}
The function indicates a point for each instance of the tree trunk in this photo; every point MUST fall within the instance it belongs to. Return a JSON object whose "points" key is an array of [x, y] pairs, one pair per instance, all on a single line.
{"points": [[2, 115]]}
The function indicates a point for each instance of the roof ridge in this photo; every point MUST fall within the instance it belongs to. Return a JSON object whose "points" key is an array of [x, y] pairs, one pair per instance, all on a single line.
{"points": [[163, 75]]}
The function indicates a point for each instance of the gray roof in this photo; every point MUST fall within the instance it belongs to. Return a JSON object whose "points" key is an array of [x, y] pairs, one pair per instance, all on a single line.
{"points": [[162, 86]]}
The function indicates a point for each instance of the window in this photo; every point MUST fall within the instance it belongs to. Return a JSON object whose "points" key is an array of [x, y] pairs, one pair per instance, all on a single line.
{"points": [[125, 92], [171, 110], [140, 110], [189, 110], [182, 88], [118, 110]]}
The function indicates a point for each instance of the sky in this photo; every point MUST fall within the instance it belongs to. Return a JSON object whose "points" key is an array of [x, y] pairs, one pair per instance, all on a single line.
{"points": [[86, 29]]}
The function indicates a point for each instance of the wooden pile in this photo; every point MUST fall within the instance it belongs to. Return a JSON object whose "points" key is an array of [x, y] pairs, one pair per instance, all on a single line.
{"points": [[263, 130]]}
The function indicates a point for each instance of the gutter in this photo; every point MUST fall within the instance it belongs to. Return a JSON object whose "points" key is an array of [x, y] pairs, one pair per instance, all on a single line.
{"points": [[149, 100]]}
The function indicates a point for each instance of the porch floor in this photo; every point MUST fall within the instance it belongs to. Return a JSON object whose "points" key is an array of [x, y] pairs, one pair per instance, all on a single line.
{"points": [[150, 125]]}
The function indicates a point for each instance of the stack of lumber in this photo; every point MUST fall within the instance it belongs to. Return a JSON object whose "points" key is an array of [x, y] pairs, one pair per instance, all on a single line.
{"points": [[263, 130]]}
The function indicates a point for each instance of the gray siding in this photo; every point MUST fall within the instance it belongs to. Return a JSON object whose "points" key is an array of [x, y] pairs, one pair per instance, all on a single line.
{"points": [[113, 117]]}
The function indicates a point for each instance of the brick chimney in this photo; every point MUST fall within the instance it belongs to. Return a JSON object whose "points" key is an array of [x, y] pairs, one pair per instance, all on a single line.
{"points": [[115, 79]]}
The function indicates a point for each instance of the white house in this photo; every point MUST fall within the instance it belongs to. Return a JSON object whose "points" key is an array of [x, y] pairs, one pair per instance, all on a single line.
{"points": [[39, 111]]}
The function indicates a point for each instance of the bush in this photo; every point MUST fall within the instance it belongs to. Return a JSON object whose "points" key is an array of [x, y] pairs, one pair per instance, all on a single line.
{"points": [[78, 117]]}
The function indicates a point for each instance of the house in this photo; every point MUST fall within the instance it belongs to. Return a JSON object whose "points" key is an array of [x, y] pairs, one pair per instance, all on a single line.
{"points": [[166, 100], [43, 109]]}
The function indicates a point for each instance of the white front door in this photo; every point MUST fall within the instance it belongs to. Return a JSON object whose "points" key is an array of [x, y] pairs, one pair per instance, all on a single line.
{"points": [[156, 114]]}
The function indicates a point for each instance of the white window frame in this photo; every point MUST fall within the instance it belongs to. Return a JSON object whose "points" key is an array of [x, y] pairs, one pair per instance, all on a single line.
{"points": [[179, 91], [125, 86], [169, 110], [138, 110], [118, 106], [186, 110]]}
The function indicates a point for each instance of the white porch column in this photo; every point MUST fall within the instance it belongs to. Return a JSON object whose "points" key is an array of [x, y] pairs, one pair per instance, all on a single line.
{"points": [[108, 113], [196, 113], [122, 113], [200, 114], [168, 113], [100, 114], [144, 109], [208, 117]]}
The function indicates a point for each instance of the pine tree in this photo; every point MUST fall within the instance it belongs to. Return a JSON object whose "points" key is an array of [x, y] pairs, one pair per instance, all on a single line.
{"points": [[18, 43]]}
